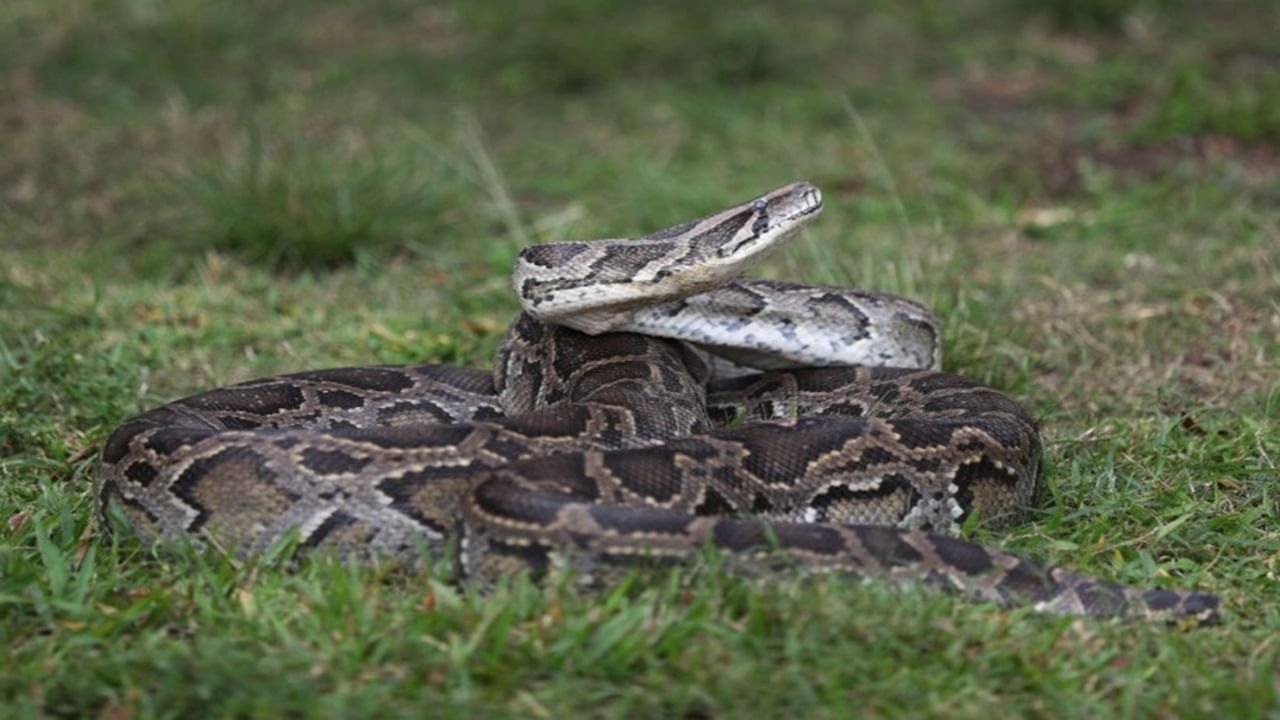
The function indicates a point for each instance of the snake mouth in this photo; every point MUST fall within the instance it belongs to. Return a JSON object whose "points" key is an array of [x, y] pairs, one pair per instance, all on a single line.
{"points": [[810, 198], [810, 203]]}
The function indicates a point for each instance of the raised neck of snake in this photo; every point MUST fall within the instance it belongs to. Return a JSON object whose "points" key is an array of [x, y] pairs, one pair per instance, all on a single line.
{"points": [[593, 286]]}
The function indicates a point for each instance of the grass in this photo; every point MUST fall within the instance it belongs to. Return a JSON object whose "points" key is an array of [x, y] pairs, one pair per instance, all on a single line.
{"points": [[193, 194]]}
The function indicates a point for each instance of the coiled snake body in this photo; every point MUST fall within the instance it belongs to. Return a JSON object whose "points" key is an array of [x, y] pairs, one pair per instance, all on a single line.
{"points": [[826, 440]]}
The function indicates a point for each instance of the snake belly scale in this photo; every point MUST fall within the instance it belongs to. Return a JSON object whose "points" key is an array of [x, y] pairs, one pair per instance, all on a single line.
{"points": [[648, 403]]}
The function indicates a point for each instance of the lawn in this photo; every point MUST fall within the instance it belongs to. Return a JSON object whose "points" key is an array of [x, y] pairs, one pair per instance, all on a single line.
{"points": [[195, 193]]}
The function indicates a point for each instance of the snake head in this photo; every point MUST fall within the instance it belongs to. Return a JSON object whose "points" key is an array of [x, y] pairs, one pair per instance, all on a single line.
{"points": [[594, 286], [748, 231]]}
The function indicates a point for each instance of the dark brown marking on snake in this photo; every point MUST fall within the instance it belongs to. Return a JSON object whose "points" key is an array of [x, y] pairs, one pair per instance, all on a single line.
{"points": [[885, 392], [168, 441], [1107, 597], [331, 525], [339, 399], [973, 558], [725, 475], [117, 445], [775, 450], [1025, 579], [845, 409], [240, 469], [571, 421], [856, 329], [253, 398], [528, 289], [499, 496], [968, 487], [747, 303], [530, 330], [971, 445], [838, 495], [1161, 599], [637, 255], [414, 407], [886, 544], [723, 234], [818, 540], [400, 438], [915, 322], [469, 380], [509, 446], [404, 490], [645, 475], [575, 355], [563, 473], [632, 521], [595, 379], [742, 534], [675, 308], [553, 255], [368, 378], [673, 231], [761, 505], [736, 534], [713, 503], [332, 462], [141, 473], [871, 457]]}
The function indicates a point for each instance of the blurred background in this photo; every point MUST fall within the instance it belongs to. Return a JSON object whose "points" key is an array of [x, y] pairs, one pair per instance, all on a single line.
{"points": [[302, 133]]}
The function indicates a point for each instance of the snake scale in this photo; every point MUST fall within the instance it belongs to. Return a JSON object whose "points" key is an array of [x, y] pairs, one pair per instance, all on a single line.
{"points": [[647, 404]]}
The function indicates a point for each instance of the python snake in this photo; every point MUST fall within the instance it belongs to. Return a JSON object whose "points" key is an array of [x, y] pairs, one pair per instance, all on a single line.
{"points": [[647, 404]]}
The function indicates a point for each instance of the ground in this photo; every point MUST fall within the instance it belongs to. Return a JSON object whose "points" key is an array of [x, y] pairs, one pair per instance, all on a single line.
{"points": [[197, 193]]}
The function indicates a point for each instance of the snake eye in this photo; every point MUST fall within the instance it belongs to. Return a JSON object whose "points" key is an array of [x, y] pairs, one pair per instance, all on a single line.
{"points": [[759, 204]]}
